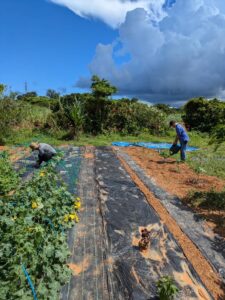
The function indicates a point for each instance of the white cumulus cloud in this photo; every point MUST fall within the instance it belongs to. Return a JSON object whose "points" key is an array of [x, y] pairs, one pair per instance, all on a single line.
{"points": [[173, 53], [112, 12], [177, 57]]}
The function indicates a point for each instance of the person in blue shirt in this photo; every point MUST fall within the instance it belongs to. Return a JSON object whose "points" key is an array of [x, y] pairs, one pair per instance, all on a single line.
{"points": [[182, 136]]}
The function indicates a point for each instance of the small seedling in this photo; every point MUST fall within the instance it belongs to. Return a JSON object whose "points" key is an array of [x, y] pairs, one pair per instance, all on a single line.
{"points": [[145, 240], [164, 154], [166, 288], [200, 170]]}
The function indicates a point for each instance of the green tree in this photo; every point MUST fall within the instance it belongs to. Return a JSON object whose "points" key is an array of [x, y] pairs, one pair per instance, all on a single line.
{"points": [[52, 94], [2, 89], [10, 116], [165, 108], [102, 88], [203, 115], [98, 107], [75, 115], [27, 96], [13, 95]]}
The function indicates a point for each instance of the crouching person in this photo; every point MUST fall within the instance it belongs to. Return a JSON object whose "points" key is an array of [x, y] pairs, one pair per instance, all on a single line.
{"points": [[45, 152]]}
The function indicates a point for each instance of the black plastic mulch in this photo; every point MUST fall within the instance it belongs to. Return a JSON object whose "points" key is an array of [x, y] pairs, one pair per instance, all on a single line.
{"points": [[211, 245], [106, 260]]}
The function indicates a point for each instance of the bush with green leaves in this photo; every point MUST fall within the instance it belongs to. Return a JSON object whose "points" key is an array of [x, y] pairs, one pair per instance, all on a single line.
{"points": [[129, 117], [10, 116], [8, 178], [166, 288], [212, 200], [218, 136], [33, 223], [203, 115]]}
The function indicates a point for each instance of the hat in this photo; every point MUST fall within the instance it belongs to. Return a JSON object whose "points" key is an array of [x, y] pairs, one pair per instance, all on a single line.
{"points": [[34, 146]]}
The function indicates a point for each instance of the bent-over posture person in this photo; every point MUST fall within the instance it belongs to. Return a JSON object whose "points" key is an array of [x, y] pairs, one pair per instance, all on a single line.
{"points": [[182, 136], [45, 152]]}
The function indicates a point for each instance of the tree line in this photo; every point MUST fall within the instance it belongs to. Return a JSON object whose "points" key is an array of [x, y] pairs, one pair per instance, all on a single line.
{"points": [[97, 113]]}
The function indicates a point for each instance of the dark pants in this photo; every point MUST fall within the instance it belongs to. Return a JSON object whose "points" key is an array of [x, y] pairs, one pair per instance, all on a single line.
{"points": [[183, 147], [45, 157]]}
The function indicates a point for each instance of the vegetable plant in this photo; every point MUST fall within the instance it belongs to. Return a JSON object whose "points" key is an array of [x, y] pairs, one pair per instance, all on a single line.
{"points": [[8, 177], [33, 223], [166, 288]]}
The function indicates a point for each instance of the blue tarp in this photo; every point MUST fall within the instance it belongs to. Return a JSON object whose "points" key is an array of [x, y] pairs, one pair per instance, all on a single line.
{"points": [[156, 146]]}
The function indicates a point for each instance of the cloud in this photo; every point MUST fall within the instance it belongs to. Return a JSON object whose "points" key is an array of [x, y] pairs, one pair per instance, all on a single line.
{"points": [[112, 12], [179, 56]]}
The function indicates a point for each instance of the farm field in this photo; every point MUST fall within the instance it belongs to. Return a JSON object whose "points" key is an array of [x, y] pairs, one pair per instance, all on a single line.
{"points": [[122, 192], [112, 150]]}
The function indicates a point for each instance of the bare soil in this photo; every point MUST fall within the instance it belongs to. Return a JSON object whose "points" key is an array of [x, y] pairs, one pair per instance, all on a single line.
{"points": [[16, 153], [180, 180]]}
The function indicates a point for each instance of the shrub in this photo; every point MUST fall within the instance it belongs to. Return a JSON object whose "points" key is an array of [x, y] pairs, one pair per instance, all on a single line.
{"points": [[211, 200], [218, 136], [204, 115], [10, 116]]}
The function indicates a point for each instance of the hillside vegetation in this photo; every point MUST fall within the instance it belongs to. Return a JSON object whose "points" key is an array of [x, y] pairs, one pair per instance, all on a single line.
{"points": [[95, 118]]}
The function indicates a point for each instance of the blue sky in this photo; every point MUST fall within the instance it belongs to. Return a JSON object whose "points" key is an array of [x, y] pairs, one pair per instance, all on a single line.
{"points": [[156, 50], [46, 45]]}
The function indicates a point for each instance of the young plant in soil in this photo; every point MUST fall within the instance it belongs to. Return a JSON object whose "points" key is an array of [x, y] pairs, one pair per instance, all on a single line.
{"points": [[145, 240], [166, 288], [164, 154]]}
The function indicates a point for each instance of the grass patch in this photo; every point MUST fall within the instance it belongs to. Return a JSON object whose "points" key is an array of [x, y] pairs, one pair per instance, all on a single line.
{"points": [[211, 200], [210, 206]]}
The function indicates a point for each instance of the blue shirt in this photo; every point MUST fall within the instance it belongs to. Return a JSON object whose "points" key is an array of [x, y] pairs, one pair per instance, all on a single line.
{"points": [[182, 134]]}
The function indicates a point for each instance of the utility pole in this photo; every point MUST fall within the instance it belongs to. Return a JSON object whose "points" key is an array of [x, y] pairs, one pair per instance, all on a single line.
{"points": [[25, 86]]}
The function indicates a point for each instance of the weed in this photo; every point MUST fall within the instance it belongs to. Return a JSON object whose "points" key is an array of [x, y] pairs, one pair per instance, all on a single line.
{"points": [[211, 200], [166, 288]]}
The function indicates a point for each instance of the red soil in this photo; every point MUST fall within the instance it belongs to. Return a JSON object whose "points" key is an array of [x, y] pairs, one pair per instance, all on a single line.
{"points": [[179, 180]]}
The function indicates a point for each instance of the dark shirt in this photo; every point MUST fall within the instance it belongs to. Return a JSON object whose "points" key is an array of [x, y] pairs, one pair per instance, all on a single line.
{"points": [[45, 149]]}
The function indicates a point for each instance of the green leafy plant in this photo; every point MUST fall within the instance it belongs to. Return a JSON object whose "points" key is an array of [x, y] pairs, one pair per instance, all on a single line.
{"points": [[8, 177], [33, 224], [211, 200], [218, 136], [166, 288], [164, 154]]}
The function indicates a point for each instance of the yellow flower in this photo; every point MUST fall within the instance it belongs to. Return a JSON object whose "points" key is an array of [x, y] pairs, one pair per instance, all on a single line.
{"points": [[77, 205], [78, 199], [34, 205], [72, 217], [42, 174], [76, 219], [66, 218]]}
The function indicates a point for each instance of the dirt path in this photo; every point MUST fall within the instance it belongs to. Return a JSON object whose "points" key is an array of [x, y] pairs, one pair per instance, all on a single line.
{"points": [[177, 179]]}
